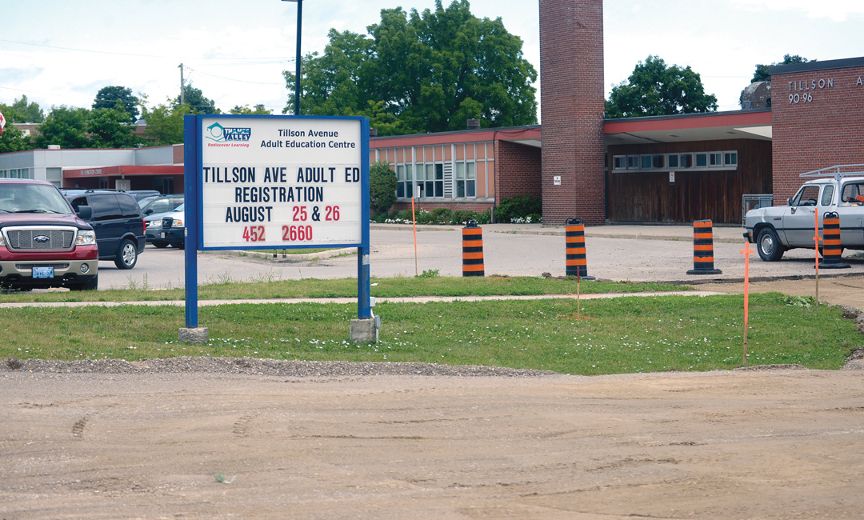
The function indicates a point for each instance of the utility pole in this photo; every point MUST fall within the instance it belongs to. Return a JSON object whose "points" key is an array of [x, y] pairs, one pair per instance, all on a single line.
{"points": [[299, 56], [182, 93]]}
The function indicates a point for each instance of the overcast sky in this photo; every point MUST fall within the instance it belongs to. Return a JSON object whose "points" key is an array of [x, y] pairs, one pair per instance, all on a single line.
{"points": [[61, 52]]}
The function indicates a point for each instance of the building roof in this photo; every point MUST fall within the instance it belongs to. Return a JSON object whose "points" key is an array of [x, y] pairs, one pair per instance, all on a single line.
{"points": [[844, 63], [529, 134], [703, 126]]}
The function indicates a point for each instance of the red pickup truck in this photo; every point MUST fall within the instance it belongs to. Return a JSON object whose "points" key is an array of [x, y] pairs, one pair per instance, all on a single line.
{"points": [[43, 242]]}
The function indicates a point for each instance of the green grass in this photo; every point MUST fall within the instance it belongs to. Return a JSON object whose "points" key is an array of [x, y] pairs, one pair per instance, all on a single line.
{"points": [[347, 287], [613, 336]]}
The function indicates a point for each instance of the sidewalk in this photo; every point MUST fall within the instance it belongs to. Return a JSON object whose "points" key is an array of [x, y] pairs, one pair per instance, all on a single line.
{"points": [[412, 299]]}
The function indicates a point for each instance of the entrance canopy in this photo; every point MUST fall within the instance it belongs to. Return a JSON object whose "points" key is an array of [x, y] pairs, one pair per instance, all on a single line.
{"points": [[713, 126]]}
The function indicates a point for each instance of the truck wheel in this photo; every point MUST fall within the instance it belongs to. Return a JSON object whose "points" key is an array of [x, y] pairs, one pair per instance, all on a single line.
{"points": [[768, 245], [127, 255], [160, 245]]}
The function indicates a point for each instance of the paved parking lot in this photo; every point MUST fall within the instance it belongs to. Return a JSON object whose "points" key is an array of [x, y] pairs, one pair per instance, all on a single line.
{"points": [[637, 253]]}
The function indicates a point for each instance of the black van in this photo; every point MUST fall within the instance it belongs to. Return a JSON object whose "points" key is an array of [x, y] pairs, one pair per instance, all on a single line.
{"points": [[116, 219]]}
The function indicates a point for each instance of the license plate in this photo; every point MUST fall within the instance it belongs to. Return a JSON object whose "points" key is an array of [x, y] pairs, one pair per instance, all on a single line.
{"points": [[43, 272], [163, 234]]}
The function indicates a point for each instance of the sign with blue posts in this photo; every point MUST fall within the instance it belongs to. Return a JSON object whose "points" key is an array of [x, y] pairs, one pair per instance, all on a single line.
{"points": [[276, 182]]}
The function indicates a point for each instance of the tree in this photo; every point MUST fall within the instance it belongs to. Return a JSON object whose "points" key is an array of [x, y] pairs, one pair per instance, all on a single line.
{"points": [[117, 97], [198, 104], [65, 126], [22, 111], [110, 128], [761, 73], [165, 124], [382, 188], [13, 140], [653, 89], [257, 109], [422, 72]]}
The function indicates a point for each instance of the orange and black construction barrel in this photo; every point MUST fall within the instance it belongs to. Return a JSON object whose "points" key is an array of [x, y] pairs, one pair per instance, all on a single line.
{"points": [[703, 248], [576, 262], [832, 248], [472, 249]]}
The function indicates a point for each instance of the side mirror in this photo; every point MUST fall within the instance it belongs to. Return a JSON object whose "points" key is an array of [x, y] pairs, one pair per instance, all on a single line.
{"points": [[84, 212], [148, 212]]}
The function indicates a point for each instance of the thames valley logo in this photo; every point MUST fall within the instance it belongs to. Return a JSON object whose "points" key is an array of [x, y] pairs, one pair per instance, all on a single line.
{"points": [[221, 134]]}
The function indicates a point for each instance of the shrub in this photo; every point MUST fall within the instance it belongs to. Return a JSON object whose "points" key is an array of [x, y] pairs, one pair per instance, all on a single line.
{"points": [[444, 216], [382, 188], [519, 207]]}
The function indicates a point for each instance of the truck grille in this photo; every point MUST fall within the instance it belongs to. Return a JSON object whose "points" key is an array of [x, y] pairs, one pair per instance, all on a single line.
{"points": [[40, 239], [57, 267], [167, 222]]}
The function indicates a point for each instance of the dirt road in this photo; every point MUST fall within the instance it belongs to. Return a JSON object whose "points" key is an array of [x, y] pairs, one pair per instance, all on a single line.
{"points": [[772, 444]]}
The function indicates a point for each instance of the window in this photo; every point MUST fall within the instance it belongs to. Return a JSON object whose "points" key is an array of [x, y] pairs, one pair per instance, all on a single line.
{"points": [[645, 162], [827, 195], [807, 196], [104, 206], [15, 173], [466, 179], [715, 159], [686, 160], [712, 160], [851, 191], [409, 180], [128, 206], [400, 181], [471, 180]]}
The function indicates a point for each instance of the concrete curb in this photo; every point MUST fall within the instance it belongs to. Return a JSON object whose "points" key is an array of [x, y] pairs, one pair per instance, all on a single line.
{"points": [[684, 234], [411, 299], [292, 258]]}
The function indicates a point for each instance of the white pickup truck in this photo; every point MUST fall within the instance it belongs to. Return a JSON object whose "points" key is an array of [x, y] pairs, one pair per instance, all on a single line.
{"points": [[837, 189]]}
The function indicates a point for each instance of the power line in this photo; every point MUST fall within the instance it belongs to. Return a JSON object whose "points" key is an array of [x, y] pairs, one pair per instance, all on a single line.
{"points": [[233, 79], [225, 61], [72, 49]]}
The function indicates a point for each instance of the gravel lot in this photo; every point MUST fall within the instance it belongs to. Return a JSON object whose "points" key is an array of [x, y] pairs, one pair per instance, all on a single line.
{"points": [[768, 444], [247, 438]]}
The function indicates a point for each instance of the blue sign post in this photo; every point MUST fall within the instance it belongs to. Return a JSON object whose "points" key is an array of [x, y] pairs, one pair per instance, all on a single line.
{"points": [[276, 182]]}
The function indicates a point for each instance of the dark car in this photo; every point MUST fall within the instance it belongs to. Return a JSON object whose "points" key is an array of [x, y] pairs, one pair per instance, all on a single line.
{"points": [[116, 218]]}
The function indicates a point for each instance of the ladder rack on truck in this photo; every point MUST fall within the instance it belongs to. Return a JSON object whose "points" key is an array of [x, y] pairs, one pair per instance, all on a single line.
{"points": [[837, 171]]}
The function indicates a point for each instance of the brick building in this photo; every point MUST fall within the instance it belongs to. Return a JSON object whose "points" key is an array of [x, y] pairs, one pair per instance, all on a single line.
{"points": [[649, 169]]}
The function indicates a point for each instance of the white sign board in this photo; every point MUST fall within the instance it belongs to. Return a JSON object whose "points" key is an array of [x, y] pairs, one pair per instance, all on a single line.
{"points": [[556, 180], [273, 182]]}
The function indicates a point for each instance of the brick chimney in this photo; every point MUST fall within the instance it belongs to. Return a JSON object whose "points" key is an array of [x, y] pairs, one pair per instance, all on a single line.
{"points": [[572, 106]]}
